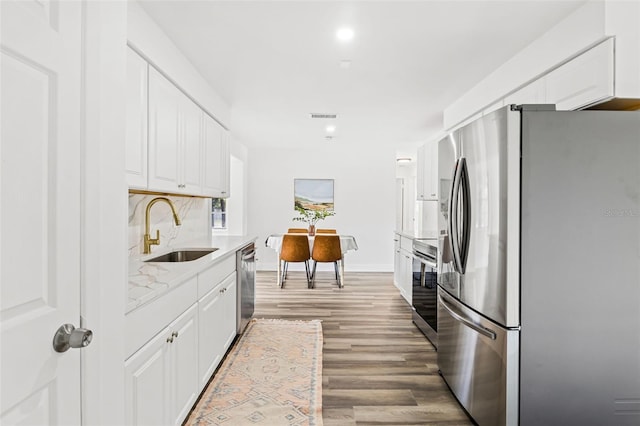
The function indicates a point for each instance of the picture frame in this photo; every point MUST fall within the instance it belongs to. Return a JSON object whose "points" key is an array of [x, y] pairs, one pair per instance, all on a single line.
{"points": [[313, 194]]}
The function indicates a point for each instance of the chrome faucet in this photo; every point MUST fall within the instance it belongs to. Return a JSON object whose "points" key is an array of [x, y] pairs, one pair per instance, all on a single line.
{"points": [[148, 241]]}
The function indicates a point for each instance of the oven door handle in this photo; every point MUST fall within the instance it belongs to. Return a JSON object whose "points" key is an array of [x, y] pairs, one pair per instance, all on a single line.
{"points": [[429, 263]]}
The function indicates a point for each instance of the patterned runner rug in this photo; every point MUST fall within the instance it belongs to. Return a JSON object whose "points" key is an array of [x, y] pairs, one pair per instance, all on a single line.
{"points": [[272, 376]]}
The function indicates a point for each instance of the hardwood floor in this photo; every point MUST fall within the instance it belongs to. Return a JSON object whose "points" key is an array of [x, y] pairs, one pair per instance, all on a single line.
{"points": [[378, 368]]}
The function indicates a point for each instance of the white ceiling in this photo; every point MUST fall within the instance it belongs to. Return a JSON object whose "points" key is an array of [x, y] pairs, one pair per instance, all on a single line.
{"points": [[274, 62]]}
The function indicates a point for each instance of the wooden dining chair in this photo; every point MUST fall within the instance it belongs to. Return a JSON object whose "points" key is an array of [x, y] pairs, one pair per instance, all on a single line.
{"points": [[326, 231], [295, 248], [326, 248], [298, 231]]}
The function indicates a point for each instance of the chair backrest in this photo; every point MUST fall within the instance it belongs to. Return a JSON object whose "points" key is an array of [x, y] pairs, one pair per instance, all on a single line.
{"points": [[326, 248], [295, 248], [298, 230], [326, 231]]}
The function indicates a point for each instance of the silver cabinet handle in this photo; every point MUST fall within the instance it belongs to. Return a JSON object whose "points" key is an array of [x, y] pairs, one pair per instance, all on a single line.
{"points": [[67, 336], [170, 339], [174, 334]]}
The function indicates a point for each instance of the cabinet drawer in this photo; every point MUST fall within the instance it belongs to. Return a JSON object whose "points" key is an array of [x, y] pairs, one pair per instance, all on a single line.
{"points": [[211, 277], [143, 323]]}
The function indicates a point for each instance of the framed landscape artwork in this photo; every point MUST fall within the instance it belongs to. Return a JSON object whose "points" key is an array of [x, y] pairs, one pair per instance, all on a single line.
{"points": [[313, 194]]}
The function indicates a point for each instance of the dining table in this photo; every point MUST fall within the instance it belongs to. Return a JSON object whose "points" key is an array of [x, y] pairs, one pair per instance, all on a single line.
{"points": [[347, 243]]}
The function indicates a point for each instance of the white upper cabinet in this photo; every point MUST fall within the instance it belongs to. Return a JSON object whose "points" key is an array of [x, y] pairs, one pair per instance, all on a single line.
{"points": [[215, 182], [175, 138], [583, 81], [532, 93], [173, 146], [420, 172], [191, 118], [427, 177], [164, 134], [136, 138]]}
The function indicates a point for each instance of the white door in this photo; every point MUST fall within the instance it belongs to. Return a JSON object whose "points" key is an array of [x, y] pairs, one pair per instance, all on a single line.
{"points": [[39, 209]]}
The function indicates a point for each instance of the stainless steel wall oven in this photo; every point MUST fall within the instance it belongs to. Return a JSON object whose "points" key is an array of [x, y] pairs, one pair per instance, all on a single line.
{"points": [[425, 288]]}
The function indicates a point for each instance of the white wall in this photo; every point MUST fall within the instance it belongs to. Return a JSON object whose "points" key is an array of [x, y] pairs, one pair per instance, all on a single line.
{"points": [[236, 212], [409, 222], [104, 209], [364, 197]]}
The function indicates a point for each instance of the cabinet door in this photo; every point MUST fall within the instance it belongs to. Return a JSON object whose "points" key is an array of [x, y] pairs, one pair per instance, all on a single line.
{"points": [[136, 137], [420, 177], [407, 276], [230, 304], [216, 159], [532, 93], [584, 80], [211, 334], [431, 172], [164, 133], [184, 365], [396, 261], [147, 382], [191, 120]]}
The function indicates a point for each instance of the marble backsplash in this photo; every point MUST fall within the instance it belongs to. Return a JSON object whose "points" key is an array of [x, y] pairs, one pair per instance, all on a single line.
{"points": [[194, 213]]}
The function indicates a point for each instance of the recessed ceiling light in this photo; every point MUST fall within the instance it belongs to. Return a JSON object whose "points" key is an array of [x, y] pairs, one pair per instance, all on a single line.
{"points": [[330, 128], [403, 160], [344, 34]]}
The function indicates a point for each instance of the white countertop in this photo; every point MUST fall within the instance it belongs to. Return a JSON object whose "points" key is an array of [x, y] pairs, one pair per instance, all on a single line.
{"points": [[415, 235], [147, 281]]}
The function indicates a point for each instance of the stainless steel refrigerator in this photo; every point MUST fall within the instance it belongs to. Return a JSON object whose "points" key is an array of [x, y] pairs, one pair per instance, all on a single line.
{"points": [[539, 266]]}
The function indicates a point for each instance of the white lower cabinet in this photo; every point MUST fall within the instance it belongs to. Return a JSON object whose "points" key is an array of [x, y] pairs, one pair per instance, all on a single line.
{"points": [[217, 327], [406, 280], [167, 369], [184, 365], [161, 377], [396, 260], [403, 267]]}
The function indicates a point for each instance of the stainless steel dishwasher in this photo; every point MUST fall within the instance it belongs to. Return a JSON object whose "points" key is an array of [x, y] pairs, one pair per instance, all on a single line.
{"points": [[246, 276]]}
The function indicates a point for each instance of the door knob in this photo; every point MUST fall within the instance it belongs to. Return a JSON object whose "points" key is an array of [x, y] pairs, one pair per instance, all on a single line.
{"points": [[68, 336]]}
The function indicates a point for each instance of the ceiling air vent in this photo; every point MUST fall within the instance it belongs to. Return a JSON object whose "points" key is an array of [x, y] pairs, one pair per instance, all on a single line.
{"points": [[323, 115]]}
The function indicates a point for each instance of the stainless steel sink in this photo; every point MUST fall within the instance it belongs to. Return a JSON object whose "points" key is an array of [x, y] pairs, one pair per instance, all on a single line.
{"points": [[182, 255]]}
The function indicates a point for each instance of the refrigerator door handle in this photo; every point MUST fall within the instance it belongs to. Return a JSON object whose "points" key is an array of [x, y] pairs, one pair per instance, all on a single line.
{"points": [[477, 328], [466, 214], [453, 217]]}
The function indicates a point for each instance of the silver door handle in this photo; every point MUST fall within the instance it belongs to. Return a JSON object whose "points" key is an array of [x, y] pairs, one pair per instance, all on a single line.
{"points": [[472, 325], [67, 336], [453, 218]]}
